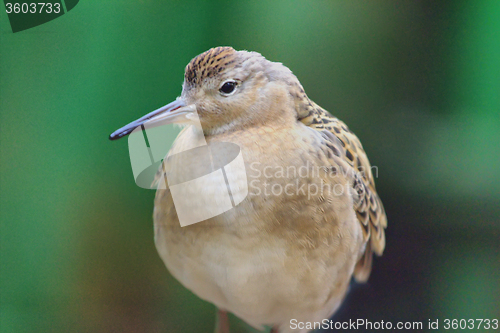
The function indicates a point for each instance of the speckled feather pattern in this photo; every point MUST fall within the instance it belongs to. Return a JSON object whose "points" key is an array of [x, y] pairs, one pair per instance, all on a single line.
{"points": [[370, 210]]}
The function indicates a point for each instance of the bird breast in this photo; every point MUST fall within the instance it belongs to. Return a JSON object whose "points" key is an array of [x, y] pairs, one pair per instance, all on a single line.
{"points": [[287, 250]]}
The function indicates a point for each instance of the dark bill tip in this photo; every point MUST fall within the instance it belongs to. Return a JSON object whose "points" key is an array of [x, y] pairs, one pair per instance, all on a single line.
{"points": [[127, 129]]}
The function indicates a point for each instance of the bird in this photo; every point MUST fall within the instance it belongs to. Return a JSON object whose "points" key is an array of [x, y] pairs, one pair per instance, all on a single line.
{"points": [[287, 253]]}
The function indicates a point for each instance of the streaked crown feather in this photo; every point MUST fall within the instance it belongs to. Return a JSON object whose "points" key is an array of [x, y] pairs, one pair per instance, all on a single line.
{"points": [[208, 64]]}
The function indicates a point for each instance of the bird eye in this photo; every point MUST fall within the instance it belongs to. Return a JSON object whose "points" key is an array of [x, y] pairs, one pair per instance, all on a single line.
{"points": [[228, 87]]}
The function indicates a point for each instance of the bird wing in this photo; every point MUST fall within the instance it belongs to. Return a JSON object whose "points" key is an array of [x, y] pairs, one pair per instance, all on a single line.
{"points": [[369, 209]]}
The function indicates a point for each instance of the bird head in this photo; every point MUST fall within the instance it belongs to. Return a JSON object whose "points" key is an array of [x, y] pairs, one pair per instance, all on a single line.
{"points": [[230, 89]]}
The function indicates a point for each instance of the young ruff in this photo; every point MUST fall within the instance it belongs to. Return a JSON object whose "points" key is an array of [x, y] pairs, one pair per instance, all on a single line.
{"points": [[289, 250]]}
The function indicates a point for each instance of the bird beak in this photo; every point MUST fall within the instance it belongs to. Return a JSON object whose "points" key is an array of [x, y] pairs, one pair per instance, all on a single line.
{"points": [[175, 112]]}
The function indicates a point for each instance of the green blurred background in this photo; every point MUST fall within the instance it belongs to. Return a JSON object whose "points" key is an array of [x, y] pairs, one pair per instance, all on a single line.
{"points": [[418, 81]]}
